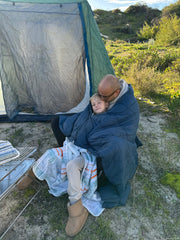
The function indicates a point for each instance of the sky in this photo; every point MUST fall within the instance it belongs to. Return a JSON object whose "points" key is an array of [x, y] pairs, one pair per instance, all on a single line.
{"points": [[124, 4]]}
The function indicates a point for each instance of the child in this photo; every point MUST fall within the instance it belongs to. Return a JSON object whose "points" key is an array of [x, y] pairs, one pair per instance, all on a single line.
{"points": [[75, 166], [72, 169]]}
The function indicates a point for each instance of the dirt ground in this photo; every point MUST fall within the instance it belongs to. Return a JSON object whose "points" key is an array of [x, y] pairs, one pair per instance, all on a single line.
{"points": [[152, 211]]}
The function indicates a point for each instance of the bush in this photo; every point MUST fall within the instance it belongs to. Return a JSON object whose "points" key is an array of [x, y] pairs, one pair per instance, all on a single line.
{"points": [[152, 58], [122, 64], [148, 32], [171, 82], [169, 31], [175, 66], [145, 81], [165, 61], [174, 104], [148, 58], [137, 8]]}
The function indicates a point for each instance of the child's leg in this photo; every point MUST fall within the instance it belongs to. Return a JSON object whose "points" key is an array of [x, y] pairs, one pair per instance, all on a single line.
{"points": [[74, 169]]}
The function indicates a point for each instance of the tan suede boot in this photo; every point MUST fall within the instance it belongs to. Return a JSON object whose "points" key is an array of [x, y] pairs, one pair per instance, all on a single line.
{"points": [[77, 217], [26, 180]]}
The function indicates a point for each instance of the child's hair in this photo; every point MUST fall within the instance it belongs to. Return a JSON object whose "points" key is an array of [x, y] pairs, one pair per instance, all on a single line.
{"points": [[95, 96]]}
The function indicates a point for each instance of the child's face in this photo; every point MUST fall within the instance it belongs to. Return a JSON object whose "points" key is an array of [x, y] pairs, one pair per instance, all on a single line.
{"points": [[98, 105]]}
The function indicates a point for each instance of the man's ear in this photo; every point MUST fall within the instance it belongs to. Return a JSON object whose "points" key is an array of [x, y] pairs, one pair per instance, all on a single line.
{"points": [[118, 90]]}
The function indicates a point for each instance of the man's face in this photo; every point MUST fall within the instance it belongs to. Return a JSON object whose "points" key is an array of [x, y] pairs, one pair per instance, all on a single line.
{"points": [[108, 95], [98, 105]]}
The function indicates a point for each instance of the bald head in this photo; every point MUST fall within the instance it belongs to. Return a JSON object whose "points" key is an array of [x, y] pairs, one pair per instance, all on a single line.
{"points": [[109, 82], [108, 85]]}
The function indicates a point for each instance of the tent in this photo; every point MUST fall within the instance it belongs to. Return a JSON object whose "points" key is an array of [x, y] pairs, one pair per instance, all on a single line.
{"points": [[52, 58]]}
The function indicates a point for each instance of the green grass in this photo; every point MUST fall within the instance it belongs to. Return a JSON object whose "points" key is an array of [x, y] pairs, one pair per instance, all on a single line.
{"points": [[172, 180]]}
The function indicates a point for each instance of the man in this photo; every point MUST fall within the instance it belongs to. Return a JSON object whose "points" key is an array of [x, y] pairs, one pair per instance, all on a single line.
{"points": [[111, 137]]}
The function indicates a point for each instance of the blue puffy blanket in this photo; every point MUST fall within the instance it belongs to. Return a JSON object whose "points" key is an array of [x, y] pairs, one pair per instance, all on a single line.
{"points": [[112, 137]]}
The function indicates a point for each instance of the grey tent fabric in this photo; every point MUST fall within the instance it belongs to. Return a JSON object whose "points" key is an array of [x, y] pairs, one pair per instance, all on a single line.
{"points": [[38, 73], [52, 58]]}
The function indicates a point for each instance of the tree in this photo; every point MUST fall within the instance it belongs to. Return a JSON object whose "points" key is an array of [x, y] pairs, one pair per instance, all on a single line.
{"points": [[172, 9]]}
